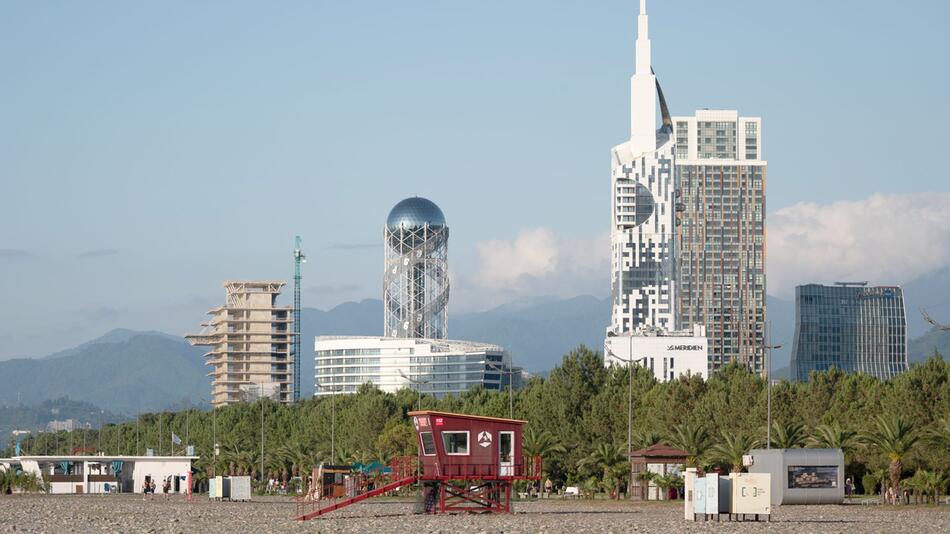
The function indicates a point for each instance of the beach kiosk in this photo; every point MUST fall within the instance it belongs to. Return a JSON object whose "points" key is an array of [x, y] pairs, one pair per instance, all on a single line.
{"points": [[466, 463]]}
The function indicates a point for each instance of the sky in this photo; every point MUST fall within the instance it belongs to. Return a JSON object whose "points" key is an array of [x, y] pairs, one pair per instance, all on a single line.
{"points": [[151, 150]]}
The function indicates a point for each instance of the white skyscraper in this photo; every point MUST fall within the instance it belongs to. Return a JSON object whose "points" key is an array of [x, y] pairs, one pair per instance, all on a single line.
{"points": [[643, 207], [642, 229]]}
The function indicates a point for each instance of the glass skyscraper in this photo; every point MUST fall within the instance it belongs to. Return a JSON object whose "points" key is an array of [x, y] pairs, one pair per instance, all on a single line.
{"points": [[849, 326]]}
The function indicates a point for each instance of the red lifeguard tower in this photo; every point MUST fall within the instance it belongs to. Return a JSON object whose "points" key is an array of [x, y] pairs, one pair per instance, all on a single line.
{"points": [[466, 463]]}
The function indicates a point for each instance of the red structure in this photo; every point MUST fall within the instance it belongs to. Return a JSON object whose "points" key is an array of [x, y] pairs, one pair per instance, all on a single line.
{"points": [[466, 463]]}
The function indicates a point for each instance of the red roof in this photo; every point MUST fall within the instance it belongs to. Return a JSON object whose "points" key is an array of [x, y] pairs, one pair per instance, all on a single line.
{"points": [[467, 416], [659, 450]]}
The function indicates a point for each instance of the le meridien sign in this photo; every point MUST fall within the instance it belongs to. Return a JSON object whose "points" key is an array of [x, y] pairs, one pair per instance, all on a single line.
{"points": [[685, 347]]}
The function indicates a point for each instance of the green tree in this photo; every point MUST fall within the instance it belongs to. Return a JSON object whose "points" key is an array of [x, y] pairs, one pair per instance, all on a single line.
{"points": [[610, 459], [732, 448], [938, 437], [693, 439], [832, 436], [788, 435], [895, 438], [541, 444]]}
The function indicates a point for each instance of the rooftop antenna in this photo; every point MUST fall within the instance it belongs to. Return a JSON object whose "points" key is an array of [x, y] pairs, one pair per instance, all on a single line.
{"points": [[298, 259]]}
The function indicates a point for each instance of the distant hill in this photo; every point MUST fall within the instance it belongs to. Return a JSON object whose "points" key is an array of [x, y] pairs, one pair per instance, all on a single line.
{"points": [[122, 372], [930, 292], [36, 417], [126, 371], [921, 348], [538, 332]]}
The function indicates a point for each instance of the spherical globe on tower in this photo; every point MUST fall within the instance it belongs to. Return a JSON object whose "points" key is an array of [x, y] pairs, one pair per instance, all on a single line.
{"points": [[416, 278]]}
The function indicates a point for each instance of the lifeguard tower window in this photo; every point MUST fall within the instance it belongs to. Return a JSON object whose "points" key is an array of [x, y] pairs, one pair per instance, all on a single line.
{"points": [[455, 442], [428, 443]]}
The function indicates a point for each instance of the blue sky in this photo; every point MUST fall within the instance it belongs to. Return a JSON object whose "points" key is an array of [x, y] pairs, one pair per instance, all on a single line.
{"points": [[150, 150]]}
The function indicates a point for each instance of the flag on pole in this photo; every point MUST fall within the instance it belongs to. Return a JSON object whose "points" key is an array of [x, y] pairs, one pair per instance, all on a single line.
{"points": [[175, 439]]}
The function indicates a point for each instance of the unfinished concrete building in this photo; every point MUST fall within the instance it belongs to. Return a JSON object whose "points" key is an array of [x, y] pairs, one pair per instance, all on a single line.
{"points": [[251, 342]]}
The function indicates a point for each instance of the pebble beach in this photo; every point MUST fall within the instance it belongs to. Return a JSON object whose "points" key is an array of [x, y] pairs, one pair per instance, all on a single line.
{"points": [[130, 513]]}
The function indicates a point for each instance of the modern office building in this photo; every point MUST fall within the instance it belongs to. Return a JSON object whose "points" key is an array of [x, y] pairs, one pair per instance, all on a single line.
{"points": [[720, 237], [251, 342], [416, 278], [849, 326], [667, 354], [644, 323], [433, 366]]}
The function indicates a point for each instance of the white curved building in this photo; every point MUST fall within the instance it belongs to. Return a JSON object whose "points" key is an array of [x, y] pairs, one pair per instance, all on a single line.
{"points": [[436, 367]]}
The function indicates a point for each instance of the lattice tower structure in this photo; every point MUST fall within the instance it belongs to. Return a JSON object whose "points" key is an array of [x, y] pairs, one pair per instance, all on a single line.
{"points": [[416, 280]]}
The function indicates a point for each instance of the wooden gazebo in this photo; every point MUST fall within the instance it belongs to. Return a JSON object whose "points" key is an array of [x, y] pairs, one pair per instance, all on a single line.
{"points": [[657, 458]]}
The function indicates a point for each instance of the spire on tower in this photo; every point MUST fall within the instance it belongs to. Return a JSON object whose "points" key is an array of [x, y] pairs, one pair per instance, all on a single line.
{"points": [[643, 90]]}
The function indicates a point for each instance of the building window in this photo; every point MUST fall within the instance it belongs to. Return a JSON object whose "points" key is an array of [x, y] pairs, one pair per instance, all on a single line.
{"points": [[455, 442], [428, 443]]}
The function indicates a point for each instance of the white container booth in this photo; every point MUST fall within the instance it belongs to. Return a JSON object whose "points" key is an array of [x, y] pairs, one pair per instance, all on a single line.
{"points": [[802, 476], [750, 495]]}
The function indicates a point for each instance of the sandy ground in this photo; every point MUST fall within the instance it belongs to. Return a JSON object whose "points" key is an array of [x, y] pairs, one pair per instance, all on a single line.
{"points": [[129, 513]]}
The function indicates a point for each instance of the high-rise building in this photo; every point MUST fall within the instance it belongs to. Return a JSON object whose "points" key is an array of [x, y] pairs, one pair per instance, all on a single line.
{"points": [[251, 344], [642, 206], [720, 240], [644, 326], [849, 326], [416, 278]]}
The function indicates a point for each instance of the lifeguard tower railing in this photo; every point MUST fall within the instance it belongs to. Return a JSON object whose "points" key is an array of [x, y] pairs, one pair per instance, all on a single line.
{"points": [[528, 469]]}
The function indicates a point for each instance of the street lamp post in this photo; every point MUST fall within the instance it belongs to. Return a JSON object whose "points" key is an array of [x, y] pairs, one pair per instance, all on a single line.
{"points": [[768, 387], [418, 383], [261, 399], [630, 362], [510, 373]]}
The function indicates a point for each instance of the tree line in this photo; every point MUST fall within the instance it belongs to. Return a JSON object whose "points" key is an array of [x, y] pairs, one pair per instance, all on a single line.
{"points": [[893, 432]]}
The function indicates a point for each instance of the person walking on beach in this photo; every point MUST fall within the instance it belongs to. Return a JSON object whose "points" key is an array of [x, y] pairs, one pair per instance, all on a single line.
{"points": [[166, 487]]}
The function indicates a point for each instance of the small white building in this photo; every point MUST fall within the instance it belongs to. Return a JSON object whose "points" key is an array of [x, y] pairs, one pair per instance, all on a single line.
{"points": [[105, 474], [667, 354], [433, 366]]}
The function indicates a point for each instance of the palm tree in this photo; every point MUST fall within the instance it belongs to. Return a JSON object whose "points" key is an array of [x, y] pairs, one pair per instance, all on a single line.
{"points": [[610, 458], [540, 444], [665, 482], [543, 443], [732, 448], [894, 437], [645, 438], [933, 484], [693, 440], [788, 436], [343, 457], [832, 436], [939, 436]]}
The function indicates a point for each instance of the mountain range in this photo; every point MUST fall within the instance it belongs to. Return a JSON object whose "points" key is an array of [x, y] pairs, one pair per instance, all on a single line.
{"points": [[126, 371]]}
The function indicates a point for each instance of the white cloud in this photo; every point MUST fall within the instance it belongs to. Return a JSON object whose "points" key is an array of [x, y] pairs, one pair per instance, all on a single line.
{"points": [[882, 239], [537, 262]]}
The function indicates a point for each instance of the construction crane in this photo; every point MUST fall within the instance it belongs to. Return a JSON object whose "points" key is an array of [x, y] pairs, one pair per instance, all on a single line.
{"points": [[298, 259], [931, 320]]}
